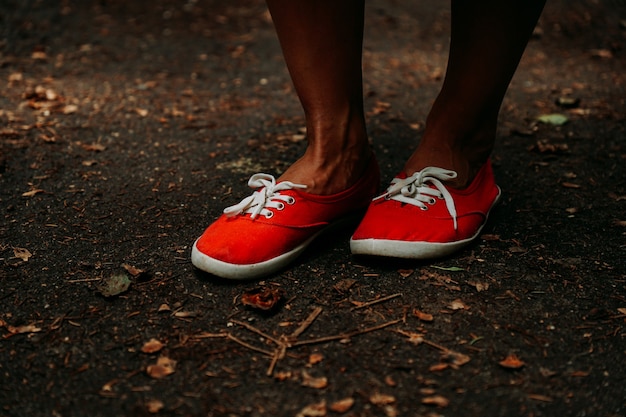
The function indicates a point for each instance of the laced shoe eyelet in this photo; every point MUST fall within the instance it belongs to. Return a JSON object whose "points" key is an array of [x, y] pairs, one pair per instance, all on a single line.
{"points": [[424, 208], [291, 201], [269, 215], [281, 206], [432, 201]]}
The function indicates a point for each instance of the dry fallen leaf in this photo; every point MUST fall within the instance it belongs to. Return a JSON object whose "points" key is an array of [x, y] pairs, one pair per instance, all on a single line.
{"points": [[437, 400], [438, 367], [342, 406], [94, 147], [262, 298], [70, 108], [114, 285], [480, 286], [313, 410], [390, 381], [512, 362], [405, 273], [133, 270], [313, 382], [154, 406], [344, 285], [622, 310], [315, 358], [458, 305], [382, 399], [422, 316], [22, 253], [152, 346], [164, 367]]}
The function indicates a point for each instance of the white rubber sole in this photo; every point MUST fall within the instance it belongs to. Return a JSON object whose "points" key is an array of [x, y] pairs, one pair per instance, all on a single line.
{"points": [[413, 250], [262, 269], [247, 271]]}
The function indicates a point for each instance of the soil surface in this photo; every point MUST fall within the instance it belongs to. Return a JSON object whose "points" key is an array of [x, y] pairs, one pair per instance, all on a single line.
{"points": [[127, 126]]}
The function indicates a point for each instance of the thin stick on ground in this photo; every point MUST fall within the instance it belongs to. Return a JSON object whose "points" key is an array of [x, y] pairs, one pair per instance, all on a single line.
{"points": [[344, 335], [379, 300], [249, 346]]}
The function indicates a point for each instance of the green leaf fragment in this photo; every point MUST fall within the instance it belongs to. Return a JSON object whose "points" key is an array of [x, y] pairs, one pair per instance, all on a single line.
{"points": [[449, 268], [114, 285], [555, 119]]}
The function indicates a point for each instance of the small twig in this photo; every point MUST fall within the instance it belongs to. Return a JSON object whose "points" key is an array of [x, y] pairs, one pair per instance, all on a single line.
{"points": [[205, 335], [249, 346], [344, 335], [306, 323], [72, 281], [379, 300], [279, 353], [257, 331]]}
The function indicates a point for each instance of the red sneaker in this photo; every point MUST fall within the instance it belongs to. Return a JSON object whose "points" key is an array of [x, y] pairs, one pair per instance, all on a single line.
{"points": [[419, 217], [269, 229]]}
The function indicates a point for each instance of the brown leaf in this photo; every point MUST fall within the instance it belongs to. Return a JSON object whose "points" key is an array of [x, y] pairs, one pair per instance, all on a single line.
{"points": [[152, 346], [422, 316], [438, 367], [405, 273], [313, 382], [480, 286], [70, 108], [458, 305], [94, 147], [382, 399], [456, 358], [164, 367], [437, 400], [22, 253], [315, 358], [512, 362], [343, 405], [39, 55], [344, 285], [262, 298], [154, 406], [313, 410], [132, 270]]}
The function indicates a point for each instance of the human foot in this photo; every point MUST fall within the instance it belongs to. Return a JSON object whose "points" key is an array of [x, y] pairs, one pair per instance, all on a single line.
{"points": [[421, 216], [271, 228]]}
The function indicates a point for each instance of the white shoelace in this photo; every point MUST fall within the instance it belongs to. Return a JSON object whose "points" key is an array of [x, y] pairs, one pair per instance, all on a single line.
{"points": [[268, 196], [414, 189]]}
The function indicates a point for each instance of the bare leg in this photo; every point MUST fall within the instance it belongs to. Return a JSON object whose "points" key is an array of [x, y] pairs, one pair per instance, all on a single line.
{"points": [[322, 45], [487, 41]]}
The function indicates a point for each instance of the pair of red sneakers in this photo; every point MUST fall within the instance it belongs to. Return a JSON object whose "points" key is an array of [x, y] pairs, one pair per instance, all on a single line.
{"points": [[417, 217]]}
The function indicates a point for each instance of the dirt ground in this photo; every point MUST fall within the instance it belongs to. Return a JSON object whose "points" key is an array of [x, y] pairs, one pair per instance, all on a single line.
{"points": [[127, 126]]}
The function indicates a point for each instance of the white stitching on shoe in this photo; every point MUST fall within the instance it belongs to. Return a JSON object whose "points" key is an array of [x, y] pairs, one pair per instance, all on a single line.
{"points": [[264, 198], [413, 190]]}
